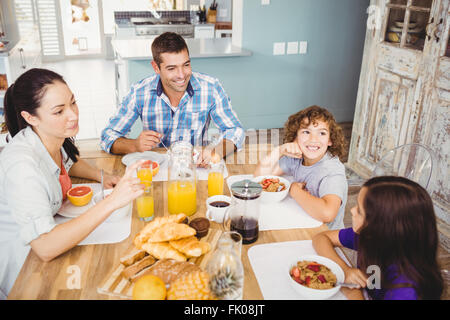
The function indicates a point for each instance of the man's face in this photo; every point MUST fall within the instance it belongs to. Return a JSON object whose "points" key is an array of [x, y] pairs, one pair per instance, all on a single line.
{"points": [[175, 71]]}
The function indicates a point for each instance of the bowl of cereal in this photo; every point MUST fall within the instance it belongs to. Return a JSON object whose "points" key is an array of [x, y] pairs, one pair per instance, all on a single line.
{"points": [[315, 277], [274, 188]]}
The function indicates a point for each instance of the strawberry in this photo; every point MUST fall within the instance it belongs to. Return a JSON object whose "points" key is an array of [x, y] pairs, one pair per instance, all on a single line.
{"points": [[322, 278]]}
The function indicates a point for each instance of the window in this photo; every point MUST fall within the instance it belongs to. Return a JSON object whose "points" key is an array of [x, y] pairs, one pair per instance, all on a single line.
{"points": [[110, 6], [407, 22]]}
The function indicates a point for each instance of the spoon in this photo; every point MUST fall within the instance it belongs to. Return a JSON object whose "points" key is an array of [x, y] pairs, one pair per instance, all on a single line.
{"points": [[348, 285]]}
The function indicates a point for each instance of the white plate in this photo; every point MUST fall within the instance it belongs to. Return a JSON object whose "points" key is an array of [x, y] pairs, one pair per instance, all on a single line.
{"points": [[68, 210], [147, 155]]}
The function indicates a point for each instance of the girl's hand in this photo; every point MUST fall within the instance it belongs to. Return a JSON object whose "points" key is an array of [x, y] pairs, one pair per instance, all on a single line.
{"points": [[292, 150], [355, 276], [128, 188], [110, 181]]}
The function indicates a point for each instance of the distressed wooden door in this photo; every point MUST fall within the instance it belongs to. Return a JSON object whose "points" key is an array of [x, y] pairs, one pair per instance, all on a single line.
{"points": [[404, 90], [398, 64]]}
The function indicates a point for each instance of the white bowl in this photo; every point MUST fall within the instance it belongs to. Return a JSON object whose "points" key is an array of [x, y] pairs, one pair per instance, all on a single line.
{"points": [[117, 214], [273, 196], [317, 294]]}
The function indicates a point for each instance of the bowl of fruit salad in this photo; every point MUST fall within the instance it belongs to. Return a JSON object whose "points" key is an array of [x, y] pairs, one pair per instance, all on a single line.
{"points": [[315, 277]]}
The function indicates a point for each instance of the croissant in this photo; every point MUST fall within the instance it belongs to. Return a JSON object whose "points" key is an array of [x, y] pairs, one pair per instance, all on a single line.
{"points": [[171, 231], [163, 250], [190, 246], [145, 233]]}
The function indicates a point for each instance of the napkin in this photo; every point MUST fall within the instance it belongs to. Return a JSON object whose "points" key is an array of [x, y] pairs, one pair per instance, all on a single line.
{"points": [[286, 214], [107, 232], [273, 277]]}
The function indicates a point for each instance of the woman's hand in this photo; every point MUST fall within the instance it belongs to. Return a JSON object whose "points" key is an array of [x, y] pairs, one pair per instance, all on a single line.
{"points": [[127, 189], [355, 276], [110, 181], [292, 150]]}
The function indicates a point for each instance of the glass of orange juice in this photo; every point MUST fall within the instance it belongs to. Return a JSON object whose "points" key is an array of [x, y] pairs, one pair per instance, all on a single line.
{"points": [[145, 173], [215, 179], [145, 204], [182, 197]]}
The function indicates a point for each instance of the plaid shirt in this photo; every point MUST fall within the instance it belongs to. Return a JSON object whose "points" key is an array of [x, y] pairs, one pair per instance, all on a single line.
{"points": [[204, 99]]}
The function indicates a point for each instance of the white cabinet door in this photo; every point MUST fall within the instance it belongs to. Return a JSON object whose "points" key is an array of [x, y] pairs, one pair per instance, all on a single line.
{"points": [[204, 32]]}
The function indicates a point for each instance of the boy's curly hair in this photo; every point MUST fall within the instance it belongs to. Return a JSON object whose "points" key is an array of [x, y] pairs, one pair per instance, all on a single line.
{"points": [[312, 114]]}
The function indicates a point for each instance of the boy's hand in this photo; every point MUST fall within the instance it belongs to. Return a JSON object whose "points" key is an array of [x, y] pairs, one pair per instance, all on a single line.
{"points": [[292, 150]]}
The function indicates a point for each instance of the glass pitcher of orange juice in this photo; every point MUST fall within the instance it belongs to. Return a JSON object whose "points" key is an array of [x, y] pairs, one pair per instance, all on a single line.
{"points": [[182, 189]]}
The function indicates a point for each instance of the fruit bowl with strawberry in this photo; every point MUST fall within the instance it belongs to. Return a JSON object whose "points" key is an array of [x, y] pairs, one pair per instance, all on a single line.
{"points": [[315, 277]]}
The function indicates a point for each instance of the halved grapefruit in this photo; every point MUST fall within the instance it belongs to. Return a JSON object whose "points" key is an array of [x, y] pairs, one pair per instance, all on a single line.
{"points": [[155, 168], [80, 195]]}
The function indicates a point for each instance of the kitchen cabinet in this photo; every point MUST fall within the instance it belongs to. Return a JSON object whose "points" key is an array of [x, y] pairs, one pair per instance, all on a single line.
{"points": [[404, 91], [204, 31]]}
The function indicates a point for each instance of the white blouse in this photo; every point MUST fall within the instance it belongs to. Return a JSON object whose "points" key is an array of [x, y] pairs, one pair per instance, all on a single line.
{"points": [[30, 195]]}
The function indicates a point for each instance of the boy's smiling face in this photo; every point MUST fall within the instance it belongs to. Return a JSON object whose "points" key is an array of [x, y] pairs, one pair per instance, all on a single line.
{"points": [[313, 140]]}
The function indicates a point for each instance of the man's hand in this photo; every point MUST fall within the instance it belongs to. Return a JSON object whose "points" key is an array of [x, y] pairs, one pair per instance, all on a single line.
{"points": [[147, 140], [207, 156]]}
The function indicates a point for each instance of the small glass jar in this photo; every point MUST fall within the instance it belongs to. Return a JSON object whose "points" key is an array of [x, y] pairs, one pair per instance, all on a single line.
{"points": [[182, 182]]}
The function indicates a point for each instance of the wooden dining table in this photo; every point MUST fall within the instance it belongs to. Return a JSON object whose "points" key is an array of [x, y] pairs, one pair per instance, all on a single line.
{"points": [[49, 280]]}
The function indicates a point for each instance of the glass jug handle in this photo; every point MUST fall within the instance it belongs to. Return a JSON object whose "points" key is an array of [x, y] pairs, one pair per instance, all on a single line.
{"points": [[227, 218]]}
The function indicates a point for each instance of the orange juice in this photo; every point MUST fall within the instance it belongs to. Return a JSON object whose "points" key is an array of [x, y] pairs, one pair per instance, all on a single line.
{"points": [[145, 207], [182, 197], [215, 184], [146, 176]]}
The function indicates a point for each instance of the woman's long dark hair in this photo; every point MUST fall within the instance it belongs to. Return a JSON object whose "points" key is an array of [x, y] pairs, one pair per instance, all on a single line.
{"points": [[400, 230], [26, 95]]}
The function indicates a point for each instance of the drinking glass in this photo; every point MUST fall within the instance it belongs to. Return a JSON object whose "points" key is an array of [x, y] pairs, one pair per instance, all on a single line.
{"points": [[145, 173], [215, 179], [145, 204]]}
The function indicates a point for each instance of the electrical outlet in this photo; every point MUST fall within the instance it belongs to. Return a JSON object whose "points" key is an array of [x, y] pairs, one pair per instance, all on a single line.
{"points": [[279, 48], [303, 47], [265, 2], [292, 47], [223, 13]]}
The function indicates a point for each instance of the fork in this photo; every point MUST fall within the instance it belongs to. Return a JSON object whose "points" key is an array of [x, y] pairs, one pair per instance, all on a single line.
{"points": [[101, 182]]}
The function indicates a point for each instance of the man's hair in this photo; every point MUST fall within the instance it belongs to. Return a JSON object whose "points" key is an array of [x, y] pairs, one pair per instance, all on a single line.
{"points": [[167, 42]]}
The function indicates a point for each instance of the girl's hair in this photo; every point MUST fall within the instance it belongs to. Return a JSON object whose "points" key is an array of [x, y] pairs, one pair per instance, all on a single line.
{"points": [[400, 232], [26, 95], [312, 114]]}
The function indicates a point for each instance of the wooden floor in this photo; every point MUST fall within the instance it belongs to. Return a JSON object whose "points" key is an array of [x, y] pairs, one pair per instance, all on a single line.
{"points": [[87, 146]]}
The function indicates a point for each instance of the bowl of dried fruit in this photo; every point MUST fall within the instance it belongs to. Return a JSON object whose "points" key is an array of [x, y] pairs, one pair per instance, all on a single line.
{"points": [[274, 188], [315, 277]]}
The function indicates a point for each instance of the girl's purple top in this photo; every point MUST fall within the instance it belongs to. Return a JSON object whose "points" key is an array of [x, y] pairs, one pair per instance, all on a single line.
{"points": [[349, 239]]}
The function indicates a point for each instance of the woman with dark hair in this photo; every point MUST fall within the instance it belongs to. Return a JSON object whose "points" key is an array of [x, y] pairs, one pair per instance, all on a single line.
{"points": [[393, 229], [42, 117]]}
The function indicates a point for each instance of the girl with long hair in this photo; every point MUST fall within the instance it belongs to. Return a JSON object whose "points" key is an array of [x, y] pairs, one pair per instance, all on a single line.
{"points": [[394, 229], [35, 167]]}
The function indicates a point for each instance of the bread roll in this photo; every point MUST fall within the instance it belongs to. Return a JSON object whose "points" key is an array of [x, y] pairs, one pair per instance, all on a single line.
{"points": [[132, 270], [150, 227], [163, 250], [190, 246], [171, 231], [132, 257]]}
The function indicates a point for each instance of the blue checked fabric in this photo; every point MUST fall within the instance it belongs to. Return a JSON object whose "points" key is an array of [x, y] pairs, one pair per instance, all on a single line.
{"points": [[204, 100]]}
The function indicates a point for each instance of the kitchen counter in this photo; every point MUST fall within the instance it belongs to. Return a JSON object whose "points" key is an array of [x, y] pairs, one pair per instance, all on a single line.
{"points": [[140, 49], [6, 50]]}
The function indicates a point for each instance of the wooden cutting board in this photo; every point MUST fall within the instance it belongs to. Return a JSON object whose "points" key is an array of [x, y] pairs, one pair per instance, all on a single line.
{"points": [[115, 285]]}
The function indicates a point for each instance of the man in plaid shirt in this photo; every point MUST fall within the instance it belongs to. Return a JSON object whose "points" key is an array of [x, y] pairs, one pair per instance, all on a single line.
{"points": [[175, 104]]}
